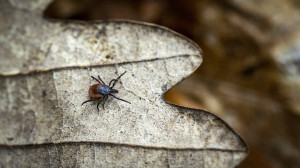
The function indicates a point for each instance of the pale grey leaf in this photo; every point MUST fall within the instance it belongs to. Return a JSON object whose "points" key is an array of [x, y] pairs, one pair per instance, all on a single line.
{"points": [[45, 76]]}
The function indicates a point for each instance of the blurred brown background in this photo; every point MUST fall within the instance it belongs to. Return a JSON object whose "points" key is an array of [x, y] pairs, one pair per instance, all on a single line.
{"points": [[250, 76]]}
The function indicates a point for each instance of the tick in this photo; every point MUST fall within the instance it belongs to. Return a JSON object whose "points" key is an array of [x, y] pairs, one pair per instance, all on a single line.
{"points": [[101, 91]]}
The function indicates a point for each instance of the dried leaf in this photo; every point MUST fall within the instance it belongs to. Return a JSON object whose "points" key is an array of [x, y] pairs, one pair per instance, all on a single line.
{"points": [[46, 71]]}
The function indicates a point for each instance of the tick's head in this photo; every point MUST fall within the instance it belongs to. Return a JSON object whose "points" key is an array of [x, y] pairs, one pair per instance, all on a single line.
{"points": [[114, 91]]}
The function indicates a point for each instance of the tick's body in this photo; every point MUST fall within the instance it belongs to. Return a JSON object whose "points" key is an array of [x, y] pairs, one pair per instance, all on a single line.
{"points": [[101, 91]]}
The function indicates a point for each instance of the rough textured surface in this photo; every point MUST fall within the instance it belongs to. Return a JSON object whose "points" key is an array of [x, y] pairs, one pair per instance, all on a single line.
{"points": [[251, 63], [48, 109], [45, 78], [80, 44], [109, 155]]}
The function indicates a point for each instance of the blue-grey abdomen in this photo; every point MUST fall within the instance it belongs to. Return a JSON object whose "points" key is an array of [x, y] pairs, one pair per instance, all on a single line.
{"points": [[104, 90]]}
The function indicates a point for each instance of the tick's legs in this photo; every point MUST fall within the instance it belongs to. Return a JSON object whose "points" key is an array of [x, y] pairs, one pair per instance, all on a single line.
{"points": [[96, 79], [100, 100], [111, 82], [101, 80], [89, 101], [104, 100], [119, 98], [114, 81]]}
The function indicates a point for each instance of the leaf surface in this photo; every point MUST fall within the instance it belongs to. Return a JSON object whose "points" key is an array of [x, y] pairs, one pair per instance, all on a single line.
{"points": [[45, 76]]}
